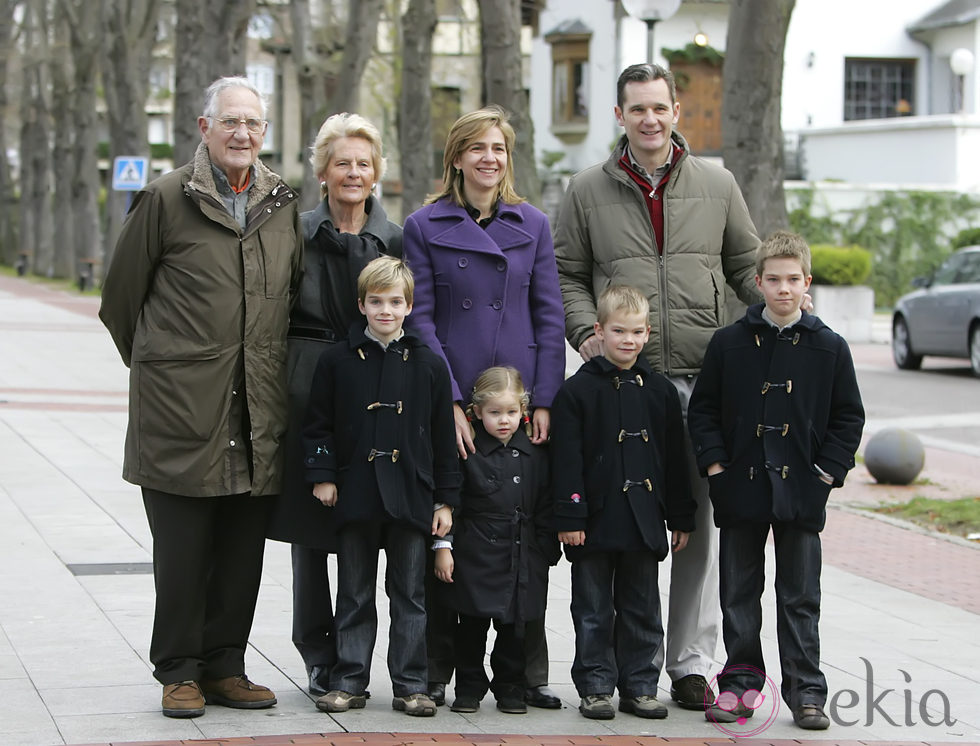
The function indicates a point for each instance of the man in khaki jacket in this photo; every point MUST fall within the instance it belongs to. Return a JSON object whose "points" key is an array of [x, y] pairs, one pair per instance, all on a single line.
{"points": [[675, 226], [197, 301]]}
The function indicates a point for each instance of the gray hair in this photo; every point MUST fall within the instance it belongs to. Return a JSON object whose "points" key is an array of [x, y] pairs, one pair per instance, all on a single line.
{"points": [[346, 125], [223, 84]]}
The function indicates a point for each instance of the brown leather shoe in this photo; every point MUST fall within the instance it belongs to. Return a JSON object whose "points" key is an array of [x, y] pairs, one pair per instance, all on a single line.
{"points": [[183, 700], [237, 692]]}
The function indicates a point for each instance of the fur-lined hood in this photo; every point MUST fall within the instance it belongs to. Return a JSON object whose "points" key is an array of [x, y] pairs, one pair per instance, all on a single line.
{"points": [[202, 179]]}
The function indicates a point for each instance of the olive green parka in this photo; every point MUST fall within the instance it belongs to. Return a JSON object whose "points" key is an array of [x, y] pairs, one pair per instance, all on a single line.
{"points": [[604, 236], [198, 309]]}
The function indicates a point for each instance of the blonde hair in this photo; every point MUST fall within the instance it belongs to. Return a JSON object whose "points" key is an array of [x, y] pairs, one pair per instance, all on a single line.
{"points": [[464, 131], [383, 273], [783, 245], [621, 298], [345, 125], [494, 383]]}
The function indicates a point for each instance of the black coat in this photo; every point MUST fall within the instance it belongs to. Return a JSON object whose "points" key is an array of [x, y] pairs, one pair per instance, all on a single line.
{"points": [[503, 537], [324, 311], [609, 426], [770, 437], [380, 426]]}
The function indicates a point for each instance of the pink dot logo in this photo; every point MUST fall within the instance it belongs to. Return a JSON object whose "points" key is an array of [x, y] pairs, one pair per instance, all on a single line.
{"points": [[749, 714]]}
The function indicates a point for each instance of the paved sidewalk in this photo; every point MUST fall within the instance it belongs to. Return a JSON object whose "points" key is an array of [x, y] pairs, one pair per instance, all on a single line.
{"points": [[900, 622]]}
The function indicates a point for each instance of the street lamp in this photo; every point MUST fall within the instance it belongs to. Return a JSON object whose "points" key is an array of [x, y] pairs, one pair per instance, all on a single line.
{"points": [[651, 11], [961, 62]]}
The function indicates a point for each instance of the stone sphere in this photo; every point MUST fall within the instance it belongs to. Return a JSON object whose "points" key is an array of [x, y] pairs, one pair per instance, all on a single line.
{"points": [[894, 456]]}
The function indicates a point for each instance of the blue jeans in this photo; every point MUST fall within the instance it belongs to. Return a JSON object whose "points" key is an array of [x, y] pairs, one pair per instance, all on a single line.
{"points": [[356, 614], [743, 568], [618, 632]]}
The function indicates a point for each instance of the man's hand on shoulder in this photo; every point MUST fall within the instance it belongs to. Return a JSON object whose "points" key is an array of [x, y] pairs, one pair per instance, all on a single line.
{"points": [[590, 348]]}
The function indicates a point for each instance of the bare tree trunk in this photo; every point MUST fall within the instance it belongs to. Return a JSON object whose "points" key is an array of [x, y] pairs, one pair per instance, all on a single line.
{"points": [[59, 263], [359, 42], [503, 84], [35, 167], [130, 32], [751, 106], [211, 42], [415, 108], [8, 208], [311, 76], [84, 22]]}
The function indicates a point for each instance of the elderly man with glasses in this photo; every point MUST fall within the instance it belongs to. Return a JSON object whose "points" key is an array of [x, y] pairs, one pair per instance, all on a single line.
{"points": [[197, 301]]}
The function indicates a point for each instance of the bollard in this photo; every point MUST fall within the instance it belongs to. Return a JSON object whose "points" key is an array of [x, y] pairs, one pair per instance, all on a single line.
{"points": [[86, 275], [21, 264], [894, 456]]}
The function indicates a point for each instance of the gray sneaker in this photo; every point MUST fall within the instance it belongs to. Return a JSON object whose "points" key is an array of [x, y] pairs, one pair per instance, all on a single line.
{"points": [[417, 705], [643, 706], [340, 701], [597, 707]]}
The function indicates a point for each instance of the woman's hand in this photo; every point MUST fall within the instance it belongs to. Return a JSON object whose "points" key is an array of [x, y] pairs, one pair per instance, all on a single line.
{"points": [[464, 438], [442, 521], [540, 425], [444, 564]]}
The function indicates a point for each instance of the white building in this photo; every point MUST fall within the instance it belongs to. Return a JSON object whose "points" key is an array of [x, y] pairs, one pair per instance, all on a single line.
{"points": [[869, 94]]}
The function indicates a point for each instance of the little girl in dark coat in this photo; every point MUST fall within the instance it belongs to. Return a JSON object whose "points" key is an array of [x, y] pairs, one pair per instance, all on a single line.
{"points": [[503, 543]]}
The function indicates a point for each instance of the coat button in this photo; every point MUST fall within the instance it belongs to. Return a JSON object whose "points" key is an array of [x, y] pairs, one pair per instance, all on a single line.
{"points": [[467, 303], [501, 266], [517, 480], [463, 261], [497, 305], [515, 453], [231, 443]]}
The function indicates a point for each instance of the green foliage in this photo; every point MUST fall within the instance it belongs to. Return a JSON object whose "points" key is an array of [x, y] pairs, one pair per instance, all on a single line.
{"points": [[161, 150], [960, 517], [967, 237], [693, 53], [550, 157], [906, 233], [840, 265], [816, 229]]}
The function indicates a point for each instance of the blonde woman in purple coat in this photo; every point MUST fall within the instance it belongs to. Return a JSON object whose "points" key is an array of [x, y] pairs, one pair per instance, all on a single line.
{"points": [[486, 294]]}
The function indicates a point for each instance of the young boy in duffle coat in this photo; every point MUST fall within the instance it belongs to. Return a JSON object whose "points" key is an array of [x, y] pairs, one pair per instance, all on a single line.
{"points": [[775, 419], [619, 473], [381, 452]]}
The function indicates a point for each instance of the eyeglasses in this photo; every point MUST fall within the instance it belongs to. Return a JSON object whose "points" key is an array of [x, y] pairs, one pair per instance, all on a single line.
{"points": [[231, 124]]}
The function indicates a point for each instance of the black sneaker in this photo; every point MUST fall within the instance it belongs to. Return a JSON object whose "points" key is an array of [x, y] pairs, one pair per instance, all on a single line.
{"points": [[692, 692], [463, 703], [597, 707], [512, 705], [437, 693]]}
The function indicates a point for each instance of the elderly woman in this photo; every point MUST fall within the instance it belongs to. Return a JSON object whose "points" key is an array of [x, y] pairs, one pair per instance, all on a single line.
{"points": [[486, 294], [347, 230]]}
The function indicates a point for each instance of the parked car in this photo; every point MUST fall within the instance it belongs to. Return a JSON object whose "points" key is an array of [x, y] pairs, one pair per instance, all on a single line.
{"points": [[942, 317]]}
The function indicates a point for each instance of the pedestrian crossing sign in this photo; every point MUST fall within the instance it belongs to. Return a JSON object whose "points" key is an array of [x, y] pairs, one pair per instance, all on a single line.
{"points": [[129, 173]]}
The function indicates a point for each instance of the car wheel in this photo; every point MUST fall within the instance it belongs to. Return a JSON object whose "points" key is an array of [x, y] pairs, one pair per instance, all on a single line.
{"points": [[975, 348], [902, 347]]}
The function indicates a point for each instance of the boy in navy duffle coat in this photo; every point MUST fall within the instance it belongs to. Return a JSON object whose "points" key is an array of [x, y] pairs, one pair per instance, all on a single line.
{"points": [[619, 475], [381, 452], [775, 420]]}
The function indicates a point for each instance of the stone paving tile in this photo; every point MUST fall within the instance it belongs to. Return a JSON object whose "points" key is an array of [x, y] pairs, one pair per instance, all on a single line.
{"points": [[903, 558]]}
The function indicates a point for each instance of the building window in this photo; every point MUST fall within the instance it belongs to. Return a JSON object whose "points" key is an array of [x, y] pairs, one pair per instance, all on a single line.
{"points": [[878, 89], [569, 78]]}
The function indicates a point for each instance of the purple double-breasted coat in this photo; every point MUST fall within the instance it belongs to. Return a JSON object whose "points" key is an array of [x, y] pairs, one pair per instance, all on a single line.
{"points": [[486, 297]]}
